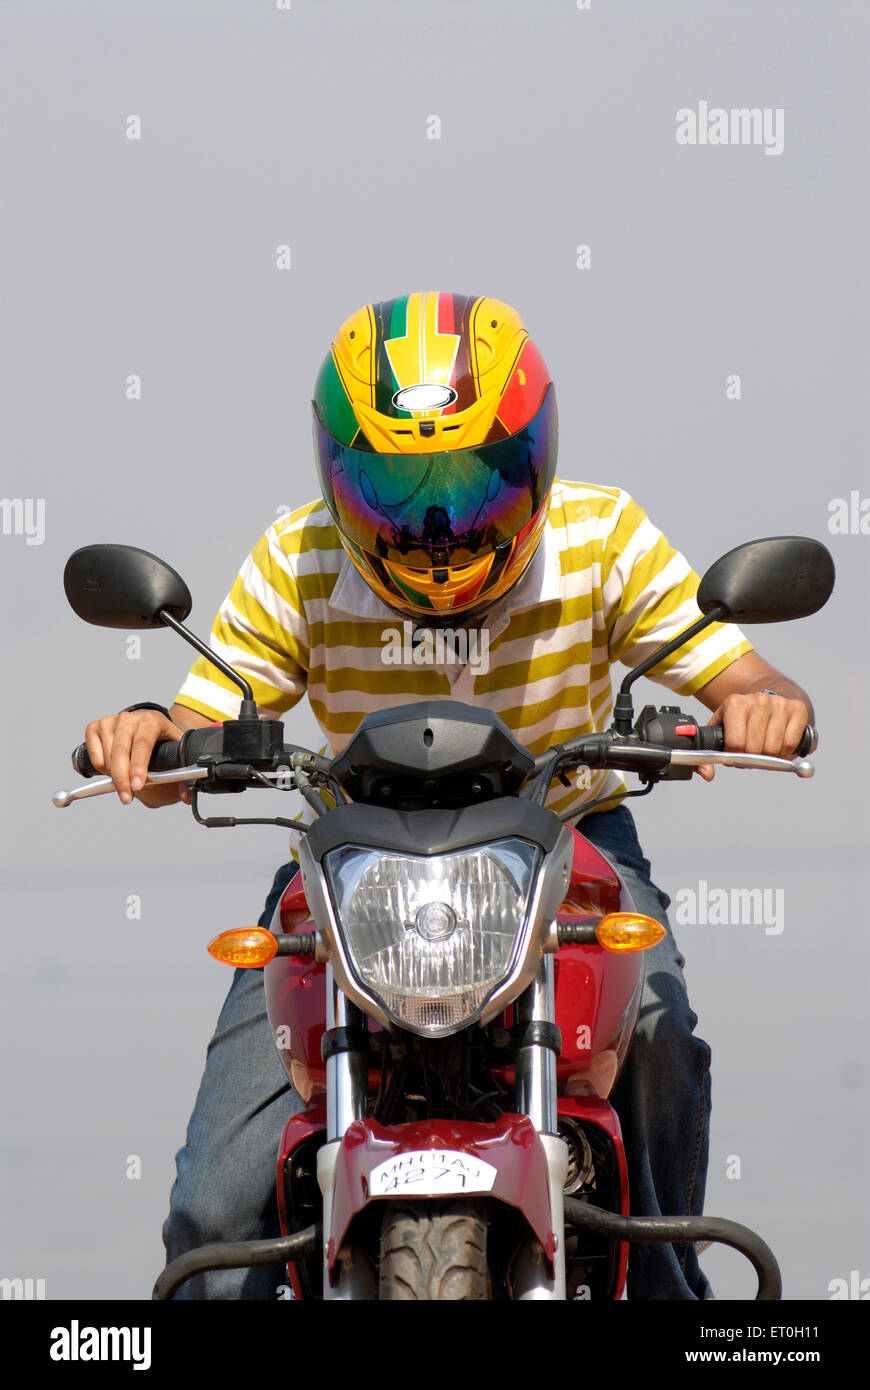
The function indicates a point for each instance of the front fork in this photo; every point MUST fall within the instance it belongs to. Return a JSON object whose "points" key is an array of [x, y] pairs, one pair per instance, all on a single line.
{"points": [[347, 1100], [535, 1014]]}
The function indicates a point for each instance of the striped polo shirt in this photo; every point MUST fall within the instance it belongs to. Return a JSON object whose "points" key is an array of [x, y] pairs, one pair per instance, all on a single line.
{"points": [[603, 586]]}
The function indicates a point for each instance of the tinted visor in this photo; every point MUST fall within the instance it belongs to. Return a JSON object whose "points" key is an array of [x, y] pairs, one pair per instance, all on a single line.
{"points": [[445, 508]]}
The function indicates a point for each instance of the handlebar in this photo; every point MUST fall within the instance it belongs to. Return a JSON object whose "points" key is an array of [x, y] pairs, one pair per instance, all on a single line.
{"points": [[170, 754], [664, 743]]}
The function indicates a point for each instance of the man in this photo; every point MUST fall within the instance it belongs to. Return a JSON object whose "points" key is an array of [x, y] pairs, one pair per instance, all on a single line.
{"points": [[435, 436]]}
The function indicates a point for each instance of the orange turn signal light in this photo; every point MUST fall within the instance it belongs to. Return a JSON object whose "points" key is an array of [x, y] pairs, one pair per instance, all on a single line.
{"points": [[249, 947], [628, 931]]}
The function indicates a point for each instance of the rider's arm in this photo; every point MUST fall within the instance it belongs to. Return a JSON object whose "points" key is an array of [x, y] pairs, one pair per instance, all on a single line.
{"points": [[649, 597]]}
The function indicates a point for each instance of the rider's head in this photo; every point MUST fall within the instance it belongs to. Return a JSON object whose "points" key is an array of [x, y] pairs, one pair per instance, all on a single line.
{"points": [[435, 438]]}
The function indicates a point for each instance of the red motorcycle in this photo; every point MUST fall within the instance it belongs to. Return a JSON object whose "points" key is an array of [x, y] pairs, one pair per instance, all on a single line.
{"points": [[454, 976]]}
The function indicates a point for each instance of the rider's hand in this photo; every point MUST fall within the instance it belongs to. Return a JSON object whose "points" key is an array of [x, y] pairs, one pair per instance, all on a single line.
{"points": [[121, 746], [759, 723]]}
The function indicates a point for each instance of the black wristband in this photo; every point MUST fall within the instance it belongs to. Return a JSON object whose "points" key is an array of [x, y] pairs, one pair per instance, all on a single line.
{"points": [[147, 704]]}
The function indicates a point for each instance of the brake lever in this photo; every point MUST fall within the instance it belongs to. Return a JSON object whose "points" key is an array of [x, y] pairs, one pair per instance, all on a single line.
{"points": [[690, 757], [99, 786]]}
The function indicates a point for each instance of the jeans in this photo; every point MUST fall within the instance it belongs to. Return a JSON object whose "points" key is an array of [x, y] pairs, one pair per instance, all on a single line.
{"points": [[225, 1183]]}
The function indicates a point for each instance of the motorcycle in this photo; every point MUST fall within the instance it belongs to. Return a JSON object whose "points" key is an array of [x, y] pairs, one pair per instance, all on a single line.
{"points": [[454, 975]]}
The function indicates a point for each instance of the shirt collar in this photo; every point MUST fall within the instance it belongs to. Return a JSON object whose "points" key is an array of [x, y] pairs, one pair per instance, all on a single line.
{"points": [[353, 596]]}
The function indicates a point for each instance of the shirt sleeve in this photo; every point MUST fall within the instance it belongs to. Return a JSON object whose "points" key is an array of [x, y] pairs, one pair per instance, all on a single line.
{"points": [[649, 594], [261, 631]]}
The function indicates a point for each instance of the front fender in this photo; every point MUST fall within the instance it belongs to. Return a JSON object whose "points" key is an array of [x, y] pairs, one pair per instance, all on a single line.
{"points": [[505, 1159]]}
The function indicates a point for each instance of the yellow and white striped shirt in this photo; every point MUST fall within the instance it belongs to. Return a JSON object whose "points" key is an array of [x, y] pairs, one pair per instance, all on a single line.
{"points": [[604, 586]]}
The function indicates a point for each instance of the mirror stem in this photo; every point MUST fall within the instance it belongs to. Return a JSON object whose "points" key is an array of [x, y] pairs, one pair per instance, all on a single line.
{"points": [[248, 709], [623, 712]]}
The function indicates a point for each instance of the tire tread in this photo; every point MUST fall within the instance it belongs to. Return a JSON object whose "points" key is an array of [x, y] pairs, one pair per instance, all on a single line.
{"points": [[434, 1251]]}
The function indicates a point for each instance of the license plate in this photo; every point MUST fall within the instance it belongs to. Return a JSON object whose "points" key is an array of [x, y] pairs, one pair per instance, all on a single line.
{"points": [[431, 1172]]}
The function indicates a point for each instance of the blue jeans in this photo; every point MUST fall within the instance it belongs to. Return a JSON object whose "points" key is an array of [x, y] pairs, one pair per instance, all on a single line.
{"points": [[225, 1183]]}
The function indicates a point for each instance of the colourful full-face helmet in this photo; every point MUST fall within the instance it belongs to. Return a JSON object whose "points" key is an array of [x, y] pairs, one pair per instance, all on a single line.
{"points": [[435, 435]]}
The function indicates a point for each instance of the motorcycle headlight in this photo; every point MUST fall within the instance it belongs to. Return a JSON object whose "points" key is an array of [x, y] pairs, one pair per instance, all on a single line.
{"points": [[432, 936]]}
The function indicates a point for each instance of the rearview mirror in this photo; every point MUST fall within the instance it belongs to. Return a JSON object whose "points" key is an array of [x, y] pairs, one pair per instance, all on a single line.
{"points": [[122, 586], [769, 581]]}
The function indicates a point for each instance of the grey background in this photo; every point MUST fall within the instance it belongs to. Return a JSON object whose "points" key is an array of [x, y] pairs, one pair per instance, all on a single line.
{"points": [[157, 257]]}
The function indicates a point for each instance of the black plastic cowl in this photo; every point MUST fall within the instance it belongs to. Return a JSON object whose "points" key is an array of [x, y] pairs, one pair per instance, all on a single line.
{"points": [[435, 750]]}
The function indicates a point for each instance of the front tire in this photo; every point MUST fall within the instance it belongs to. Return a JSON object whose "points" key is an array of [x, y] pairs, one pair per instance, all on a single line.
{"points": [[433, 1251]]}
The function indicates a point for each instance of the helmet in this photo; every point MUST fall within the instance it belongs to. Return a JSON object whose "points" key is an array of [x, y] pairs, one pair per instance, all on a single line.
{"points": [[435, 437]]}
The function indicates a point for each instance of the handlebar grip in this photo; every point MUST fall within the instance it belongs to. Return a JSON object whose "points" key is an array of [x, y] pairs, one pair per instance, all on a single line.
{"points": [[711, 737], [166, 756]]}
